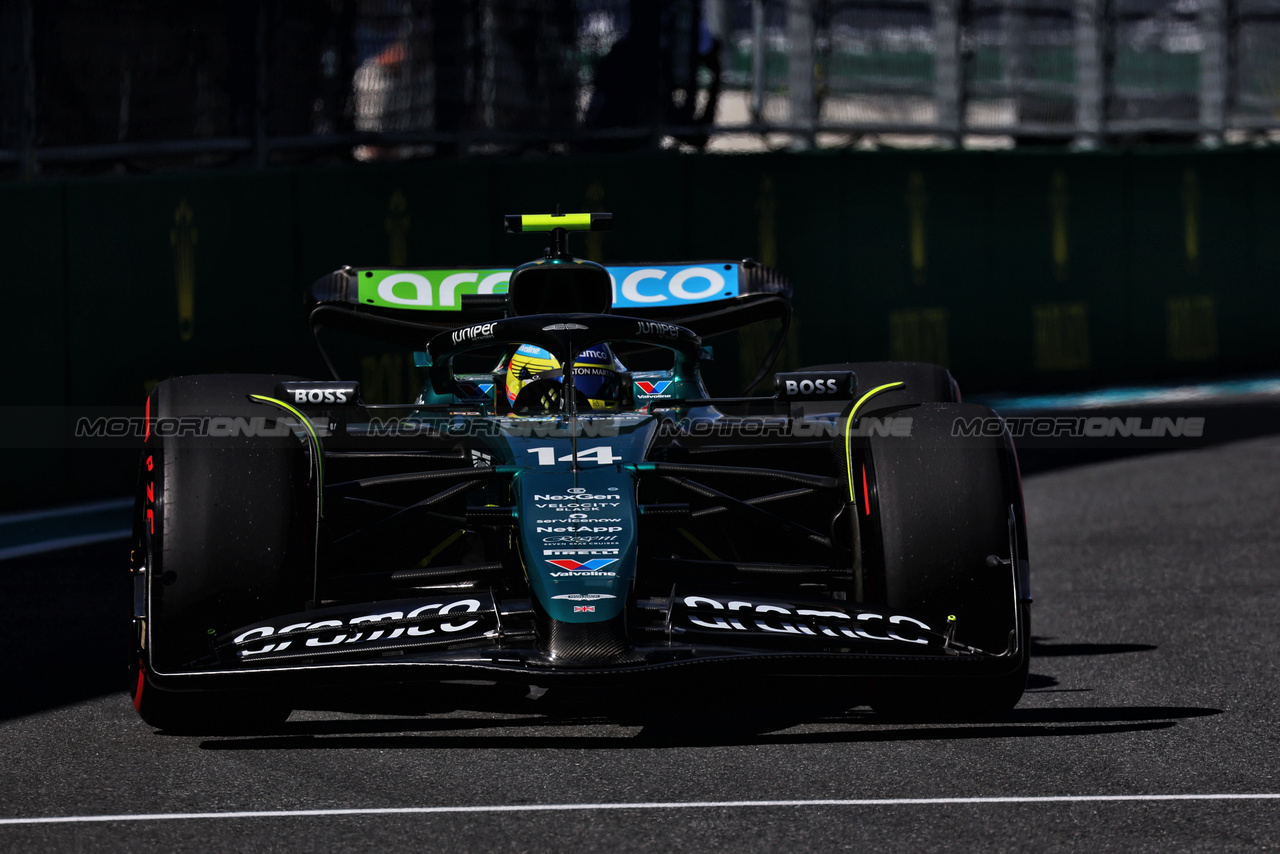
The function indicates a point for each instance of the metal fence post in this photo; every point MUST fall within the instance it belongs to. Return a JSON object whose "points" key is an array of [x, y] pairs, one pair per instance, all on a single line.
{"points": [[18, 84], [757, 61], [1090, 75], [260, 92], [948, 73], [716, 13], [1017, 60], [1213, 71], [800, 71]]}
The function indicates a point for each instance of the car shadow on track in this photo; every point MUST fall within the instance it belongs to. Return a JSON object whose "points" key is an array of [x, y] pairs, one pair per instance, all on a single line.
{"points": [[795, 710], [1039, 683], [852, 726], [1041, 649]]}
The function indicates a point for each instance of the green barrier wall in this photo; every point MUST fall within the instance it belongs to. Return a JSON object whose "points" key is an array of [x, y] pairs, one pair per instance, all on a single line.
{"points": [[1019, 270], [33, 244]]}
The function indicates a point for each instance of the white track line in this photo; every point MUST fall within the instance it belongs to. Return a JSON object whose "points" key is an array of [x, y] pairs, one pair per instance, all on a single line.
{"points": [[674, 805]]}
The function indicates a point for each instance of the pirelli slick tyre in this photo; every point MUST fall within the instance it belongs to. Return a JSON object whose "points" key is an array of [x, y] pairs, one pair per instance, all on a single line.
{"points": [[942, 501], [227, 517], [921, 382]]}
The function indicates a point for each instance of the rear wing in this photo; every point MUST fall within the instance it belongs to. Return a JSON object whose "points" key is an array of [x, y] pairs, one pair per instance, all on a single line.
{"points": [[459, 296], [409, 306]]}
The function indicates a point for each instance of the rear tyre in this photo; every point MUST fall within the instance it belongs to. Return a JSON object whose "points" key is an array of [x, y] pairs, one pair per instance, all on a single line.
{"points": [[943, 503], [227, 516]]}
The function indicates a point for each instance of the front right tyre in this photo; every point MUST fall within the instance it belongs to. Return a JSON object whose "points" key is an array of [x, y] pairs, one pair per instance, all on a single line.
{"points": [[225, 522]]}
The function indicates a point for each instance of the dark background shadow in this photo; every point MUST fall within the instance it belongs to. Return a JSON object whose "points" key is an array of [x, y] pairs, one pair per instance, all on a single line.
{"points": [[64, 636], [1225, 420]]}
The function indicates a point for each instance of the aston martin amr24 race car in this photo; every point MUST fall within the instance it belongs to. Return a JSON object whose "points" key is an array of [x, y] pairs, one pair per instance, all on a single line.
{"points": [[550, 517]]}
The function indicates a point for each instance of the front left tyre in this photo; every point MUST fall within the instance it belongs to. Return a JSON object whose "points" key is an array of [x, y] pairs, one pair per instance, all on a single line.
{"points": [[948, 537]]}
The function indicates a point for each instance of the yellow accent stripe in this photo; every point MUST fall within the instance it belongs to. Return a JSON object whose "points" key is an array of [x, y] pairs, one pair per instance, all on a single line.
{"points": [[546, 222], [448, 541], [702, 548], [315, 439], [848, 425]]}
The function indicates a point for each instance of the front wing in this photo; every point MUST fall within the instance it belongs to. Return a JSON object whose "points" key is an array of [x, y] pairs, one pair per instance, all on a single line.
{"points": [[474, 635]]}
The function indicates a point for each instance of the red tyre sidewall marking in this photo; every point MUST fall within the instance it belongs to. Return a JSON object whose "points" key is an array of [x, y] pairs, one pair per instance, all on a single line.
{"points": [[866, 499], [137, 693]]}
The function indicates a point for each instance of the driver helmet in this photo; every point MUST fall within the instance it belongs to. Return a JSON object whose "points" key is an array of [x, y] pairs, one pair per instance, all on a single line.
{"points": [[595, 373]]}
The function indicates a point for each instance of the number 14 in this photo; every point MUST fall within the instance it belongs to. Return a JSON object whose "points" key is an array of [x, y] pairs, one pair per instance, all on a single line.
{"points": [[601, 456]]}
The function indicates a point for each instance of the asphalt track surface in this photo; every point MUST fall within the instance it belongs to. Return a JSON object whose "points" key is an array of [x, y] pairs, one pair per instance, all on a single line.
{"points": [[1154, 674]]}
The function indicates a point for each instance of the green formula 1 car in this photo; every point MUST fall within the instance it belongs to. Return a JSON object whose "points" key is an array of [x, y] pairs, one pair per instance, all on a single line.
{"points": [[544, 515]]}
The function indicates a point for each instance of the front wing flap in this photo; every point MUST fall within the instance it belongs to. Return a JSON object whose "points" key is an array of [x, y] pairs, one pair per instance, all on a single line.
{"points": [[472, 634]]}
